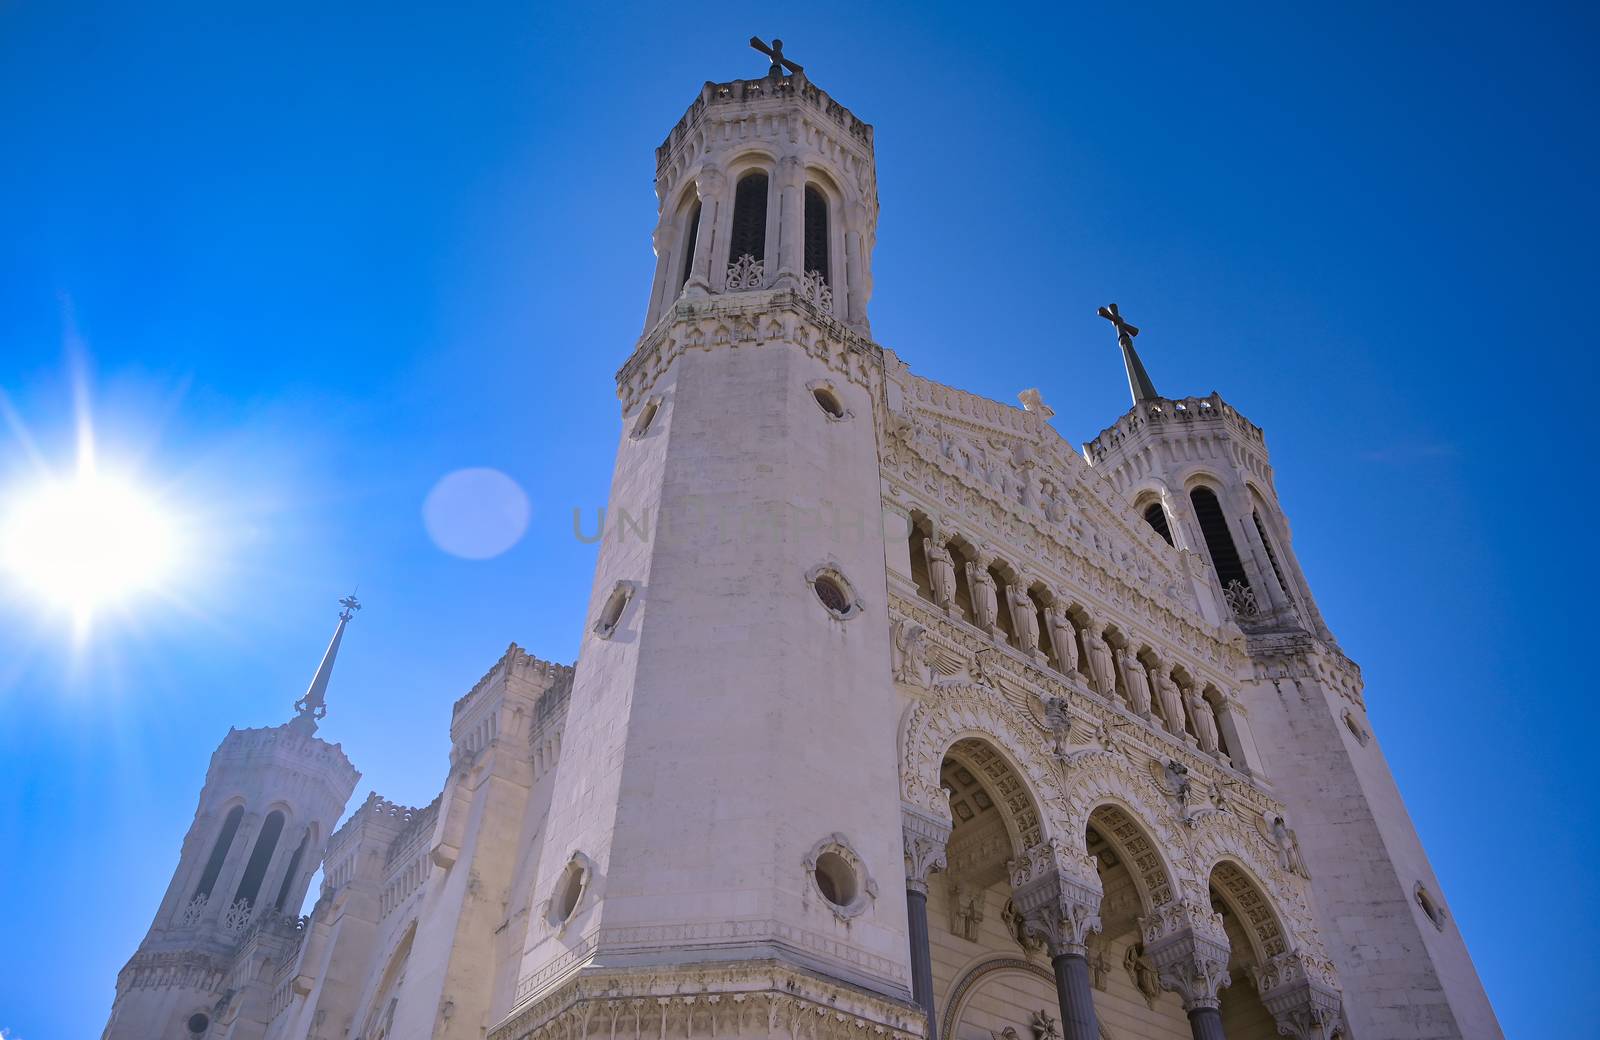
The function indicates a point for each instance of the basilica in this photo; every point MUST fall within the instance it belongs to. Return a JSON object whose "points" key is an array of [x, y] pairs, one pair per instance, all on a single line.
{"points": [[897, 715]]}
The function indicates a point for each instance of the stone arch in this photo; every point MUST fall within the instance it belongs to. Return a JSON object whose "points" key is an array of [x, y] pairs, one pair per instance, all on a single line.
{"points": [[1139, 850], [973, 712], [1108, 780], [1224, 836], [1018, 807], [1251, 907]]}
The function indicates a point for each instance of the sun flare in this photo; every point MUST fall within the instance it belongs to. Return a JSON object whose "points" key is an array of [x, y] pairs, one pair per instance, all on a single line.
{"points": [[88, 541]]}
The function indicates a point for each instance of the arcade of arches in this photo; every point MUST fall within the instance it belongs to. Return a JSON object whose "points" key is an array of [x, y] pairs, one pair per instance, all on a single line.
{"points": [[995, 968]]}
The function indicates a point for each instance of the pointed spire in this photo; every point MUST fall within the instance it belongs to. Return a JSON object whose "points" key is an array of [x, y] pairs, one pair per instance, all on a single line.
{"points": [[1139, 384], [313, 706]]}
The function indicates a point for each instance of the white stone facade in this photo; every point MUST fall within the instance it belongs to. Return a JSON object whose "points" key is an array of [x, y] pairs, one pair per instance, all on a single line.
{"points": [[889, 701]]}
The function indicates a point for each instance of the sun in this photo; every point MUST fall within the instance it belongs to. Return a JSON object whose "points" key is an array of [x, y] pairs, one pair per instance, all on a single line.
{"points": [[86, 542]]}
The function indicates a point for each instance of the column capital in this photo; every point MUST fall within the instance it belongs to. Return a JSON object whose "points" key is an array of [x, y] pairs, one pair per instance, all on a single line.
{"points": [[1189, 950], [1056, 892], [1302, 993], [925, 839], [709, 181]]}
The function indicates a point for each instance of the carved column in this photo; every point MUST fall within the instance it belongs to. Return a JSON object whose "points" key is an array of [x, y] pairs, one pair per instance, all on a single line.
{"points": [[1057, 893], [855, 267], [925, 839], [708, 185], [791, 222], [1187, 946], [1302, 994]]}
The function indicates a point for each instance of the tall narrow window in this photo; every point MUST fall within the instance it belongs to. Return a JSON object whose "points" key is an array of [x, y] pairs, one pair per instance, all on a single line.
{"points": [[817, 233], [289, 875], [1272, 557], [1214, 528], [1156, 517], [691, 235], [749, 237], [255, 871], [219, 852]]}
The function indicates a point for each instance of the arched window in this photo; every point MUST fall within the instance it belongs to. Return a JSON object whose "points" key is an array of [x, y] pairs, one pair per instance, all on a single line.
{"points": [[817, 233], [219, 852], [1219, 543], [1156, 517], [255, 871], [749, 236], [691, 235], [289, 875]]}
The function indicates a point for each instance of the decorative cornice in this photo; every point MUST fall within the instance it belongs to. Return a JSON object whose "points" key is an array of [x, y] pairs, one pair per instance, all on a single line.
{"points": [[745, 998]]}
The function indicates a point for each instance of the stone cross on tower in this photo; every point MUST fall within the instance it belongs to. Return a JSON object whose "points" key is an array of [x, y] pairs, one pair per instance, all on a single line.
{"points": [[1138, 380], [775, 52]]}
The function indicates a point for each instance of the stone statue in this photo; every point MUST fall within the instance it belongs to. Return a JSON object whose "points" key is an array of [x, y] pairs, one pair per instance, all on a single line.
{"points": [[1142, 973], [1288, 847], [941, 573], [985, 606], [1099, 967], [966, 910], [1205, 721], [1024, 618], [1137, 680], [1100, 664], [911, 654], [1008, 1033], [1044, 1026], [1171, 703], [1063, 638]]}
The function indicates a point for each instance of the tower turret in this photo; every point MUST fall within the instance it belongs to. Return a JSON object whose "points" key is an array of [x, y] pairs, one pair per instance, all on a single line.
{"points": [[1199, 473], [766, 184], [270, 800], [726, 819]]}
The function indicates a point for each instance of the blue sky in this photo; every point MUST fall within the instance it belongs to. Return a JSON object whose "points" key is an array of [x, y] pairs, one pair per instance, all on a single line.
{"points": [[308, 259]]}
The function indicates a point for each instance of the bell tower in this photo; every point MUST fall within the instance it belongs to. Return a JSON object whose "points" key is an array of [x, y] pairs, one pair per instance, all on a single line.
{"points": [[1199, 473], [270, 800], [724, 833]]}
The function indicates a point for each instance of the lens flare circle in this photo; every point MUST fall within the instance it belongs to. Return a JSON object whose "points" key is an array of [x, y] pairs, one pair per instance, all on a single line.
{"points": [[476, 513], [88, 541]]}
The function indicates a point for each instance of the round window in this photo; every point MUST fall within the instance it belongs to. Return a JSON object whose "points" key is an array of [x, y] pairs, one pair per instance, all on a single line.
{"points": [[198, 1023], [831, 592], [836, 879], [611, 612], [828, 401], [641, 426], [569, 888]]}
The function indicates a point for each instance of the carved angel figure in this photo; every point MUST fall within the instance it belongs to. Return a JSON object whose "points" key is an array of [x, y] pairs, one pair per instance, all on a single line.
{"points": [[985, 605], [1024, 618], [1205, 721], [1063, 638], [941, 573], [911, 654], [1058, 717], [1171, 703], [1137, 680]]}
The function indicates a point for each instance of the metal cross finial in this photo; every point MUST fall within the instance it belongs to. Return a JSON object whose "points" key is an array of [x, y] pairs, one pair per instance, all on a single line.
{"points": [[350, 605], [775, 52], [1125, 332]]}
